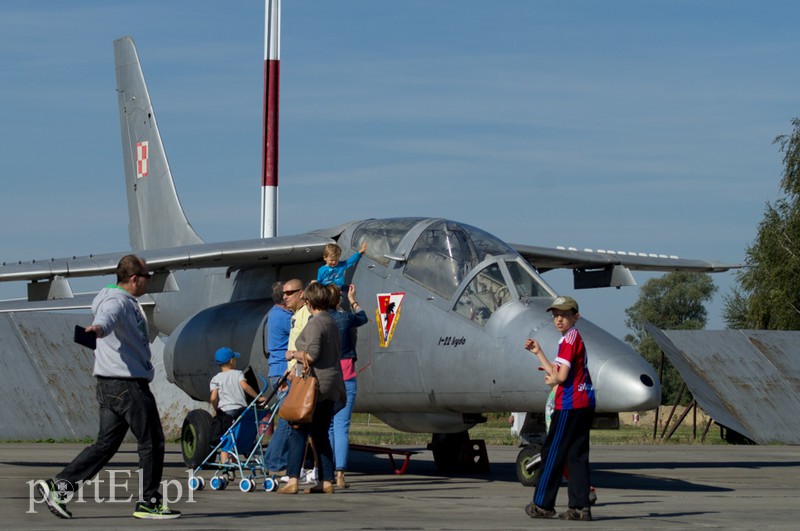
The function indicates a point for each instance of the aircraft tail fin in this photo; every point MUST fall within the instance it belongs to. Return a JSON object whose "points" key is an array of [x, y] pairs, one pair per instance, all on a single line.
{"points": [[156, 218]]}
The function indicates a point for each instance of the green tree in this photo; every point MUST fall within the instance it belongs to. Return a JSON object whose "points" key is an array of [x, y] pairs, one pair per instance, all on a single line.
{"points": [[675, 301], [768, 292]]}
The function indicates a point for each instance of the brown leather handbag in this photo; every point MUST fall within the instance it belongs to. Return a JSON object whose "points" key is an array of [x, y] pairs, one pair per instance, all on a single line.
{"points": [[298, 406]]}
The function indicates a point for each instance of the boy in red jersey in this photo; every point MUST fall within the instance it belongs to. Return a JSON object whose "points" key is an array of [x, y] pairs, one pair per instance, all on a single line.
{"points": [[568, 437]]}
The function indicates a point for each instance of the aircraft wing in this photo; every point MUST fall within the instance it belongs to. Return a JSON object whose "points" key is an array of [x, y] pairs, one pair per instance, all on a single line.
{"points": [[596, 268], [282, 250], [47, 277]]}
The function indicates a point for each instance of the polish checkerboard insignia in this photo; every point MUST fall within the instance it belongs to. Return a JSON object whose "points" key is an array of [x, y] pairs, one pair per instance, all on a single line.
{"points": [[142, 159]]}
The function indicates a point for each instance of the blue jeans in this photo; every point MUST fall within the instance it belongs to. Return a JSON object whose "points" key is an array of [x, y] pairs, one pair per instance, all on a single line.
{"points": [[277, 453], [318, 429], [123, 404], [339, 432]]}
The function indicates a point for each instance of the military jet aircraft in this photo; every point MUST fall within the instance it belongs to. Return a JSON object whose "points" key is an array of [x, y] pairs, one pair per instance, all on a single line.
{"points": [[452, 305]]}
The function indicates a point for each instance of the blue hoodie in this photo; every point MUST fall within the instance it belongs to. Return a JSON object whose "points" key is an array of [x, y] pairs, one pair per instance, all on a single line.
{"points": [[335, 275], [124, 349]]}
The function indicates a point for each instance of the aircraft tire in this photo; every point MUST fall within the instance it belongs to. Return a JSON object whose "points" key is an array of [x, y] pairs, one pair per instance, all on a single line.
{"points": [[524, 457], [196, 437]]}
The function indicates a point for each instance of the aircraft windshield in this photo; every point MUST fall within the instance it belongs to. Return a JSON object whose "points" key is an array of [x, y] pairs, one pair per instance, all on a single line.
{"points": [[382, 236], [488, 291], [525, 283], [483, 295], [446, 252]]}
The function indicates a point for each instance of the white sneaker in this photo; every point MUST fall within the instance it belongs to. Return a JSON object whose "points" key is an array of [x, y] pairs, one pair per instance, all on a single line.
{"points": [[308, 477]]}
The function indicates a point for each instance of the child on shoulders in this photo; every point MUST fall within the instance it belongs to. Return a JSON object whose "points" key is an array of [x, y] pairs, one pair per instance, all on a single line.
{"points": [[333, 270]]}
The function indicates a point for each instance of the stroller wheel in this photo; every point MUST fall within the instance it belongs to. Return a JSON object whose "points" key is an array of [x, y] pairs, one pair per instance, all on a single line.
{"points": [[247, 485], [219, 483], [270, 485], [196, 483]]}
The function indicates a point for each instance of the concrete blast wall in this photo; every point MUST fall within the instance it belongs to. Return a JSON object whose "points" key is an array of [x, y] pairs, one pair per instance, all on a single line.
{"points": [[48, 388]]}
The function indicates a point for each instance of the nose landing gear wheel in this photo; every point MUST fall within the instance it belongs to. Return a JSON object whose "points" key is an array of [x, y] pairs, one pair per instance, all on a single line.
{"points": [[528, 461]]}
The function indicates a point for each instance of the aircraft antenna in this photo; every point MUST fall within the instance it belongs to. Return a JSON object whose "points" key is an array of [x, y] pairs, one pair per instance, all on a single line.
{"points": [[269, 157]]}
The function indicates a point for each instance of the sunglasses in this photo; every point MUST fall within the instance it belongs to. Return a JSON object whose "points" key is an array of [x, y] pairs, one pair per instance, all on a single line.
{"points": [[290, 292], [143, 275]]}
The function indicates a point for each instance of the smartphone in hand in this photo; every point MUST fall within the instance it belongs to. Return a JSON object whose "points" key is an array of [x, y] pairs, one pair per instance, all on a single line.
{"points": [[87, 339]]}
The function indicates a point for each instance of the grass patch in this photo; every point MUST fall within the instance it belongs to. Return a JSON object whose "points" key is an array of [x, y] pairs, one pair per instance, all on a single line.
{"points": [[50, 440], [367, 429]]}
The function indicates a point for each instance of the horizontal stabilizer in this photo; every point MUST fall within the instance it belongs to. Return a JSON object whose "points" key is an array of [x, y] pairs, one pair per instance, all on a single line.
{"points": [[80, 301]]}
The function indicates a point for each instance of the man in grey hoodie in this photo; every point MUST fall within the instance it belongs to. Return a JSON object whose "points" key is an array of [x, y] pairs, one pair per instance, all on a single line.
{"points": [[123, 370]]}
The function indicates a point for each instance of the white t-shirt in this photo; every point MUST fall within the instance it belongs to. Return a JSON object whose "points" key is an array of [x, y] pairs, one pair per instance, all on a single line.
{"points": [[231, 394]]}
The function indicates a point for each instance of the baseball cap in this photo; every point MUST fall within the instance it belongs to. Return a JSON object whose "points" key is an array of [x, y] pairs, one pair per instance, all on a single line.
{"points": [[224, 355], [563, 303]]}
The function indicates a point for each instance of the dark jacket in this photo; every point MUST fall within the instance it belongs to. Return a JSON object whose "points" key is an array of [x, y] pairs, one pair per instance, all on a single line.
{"points": [[347, 323]]}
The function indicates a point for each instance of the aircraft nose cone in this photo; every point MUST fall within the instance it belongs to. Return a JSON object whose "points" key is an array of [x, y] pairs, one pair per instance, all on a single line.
{"points": [[622, 379], [626, 384]]}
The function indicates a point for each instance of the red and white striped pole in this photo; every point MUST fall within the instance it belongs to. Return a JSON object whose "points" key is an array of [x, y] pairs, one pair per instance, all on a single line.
{"points": [[269, 159]]}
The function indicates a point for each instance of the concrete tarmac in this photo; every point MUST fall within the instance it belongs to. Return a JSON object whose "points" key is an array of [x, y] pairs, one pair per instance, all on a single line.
{"points": [[639, 487]]}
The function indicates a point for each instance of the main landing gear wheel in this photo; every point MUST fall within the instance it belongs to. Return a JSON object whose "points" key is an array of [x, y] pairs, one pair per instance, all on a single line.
{"points": [[457, 453], [528, 461], [196, 437]]}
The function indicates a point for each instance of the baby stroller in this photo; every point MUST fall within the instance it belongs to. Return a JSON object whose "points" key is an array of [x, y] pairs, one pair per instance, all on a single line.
{"points": [[243, 442]]}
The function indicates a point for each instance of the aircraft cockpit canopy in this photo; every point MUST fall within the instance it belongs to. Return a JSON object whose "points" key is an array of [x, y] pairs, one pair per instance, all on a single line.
{"points": [[383, 236], [445, 253]]}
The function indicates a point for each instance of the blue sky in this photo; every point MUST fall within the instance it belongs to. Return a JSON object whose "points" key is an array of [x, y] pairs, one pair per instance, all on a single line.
{"points": [[625, 125]]}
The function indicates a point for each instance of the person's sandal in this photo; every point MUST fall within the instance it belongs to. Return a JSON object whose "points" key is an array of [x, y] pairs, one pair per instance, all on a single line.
{"points": [[535, 511], [321, 489], [577, 514]]}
